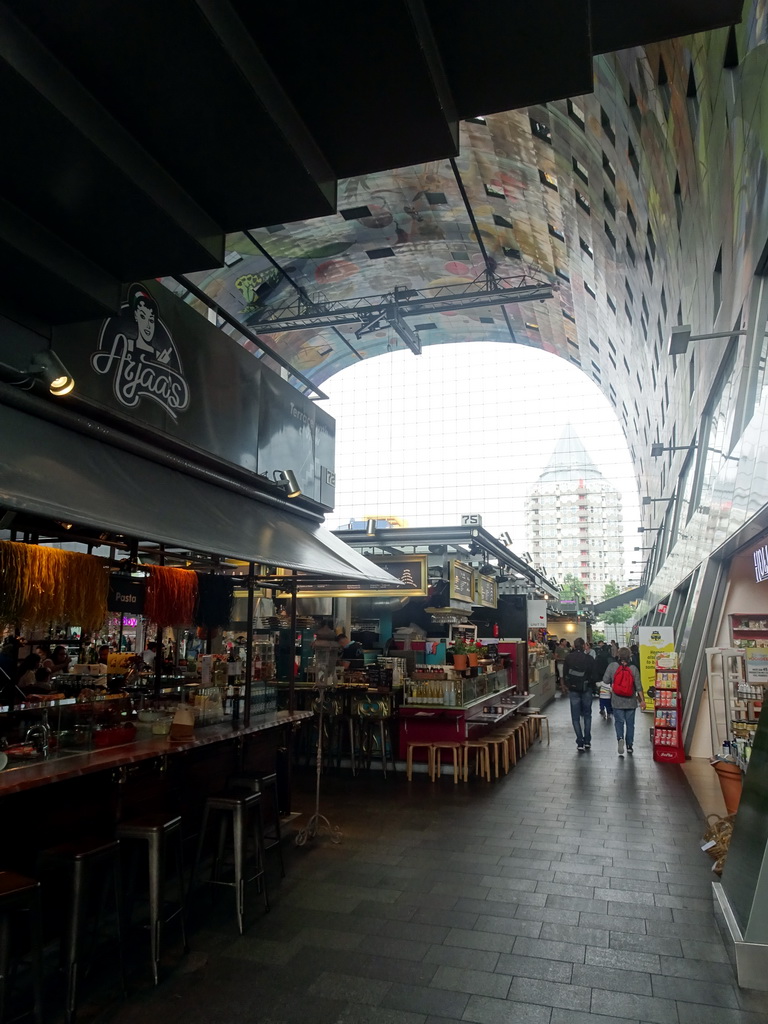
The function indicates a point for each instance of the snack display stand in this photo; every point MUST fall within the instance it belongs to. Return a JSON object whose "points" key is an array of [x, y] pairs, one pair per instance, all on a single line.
{"points": [[667, 711]]}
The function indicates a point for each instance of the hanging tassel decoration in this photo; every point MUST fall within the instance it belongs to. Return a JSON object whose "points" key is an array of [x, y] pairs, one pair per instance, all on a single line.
{"points": [[171, 596]]}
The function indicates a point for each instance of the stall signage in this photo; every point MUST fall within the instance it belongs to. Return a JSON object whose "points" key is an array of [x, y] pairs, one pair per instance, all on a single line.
{"points": [[487, 595], [471, 520], [125, 595], [462, 582], [652, 641], [760, 558], [662, 609], [137, 351]]}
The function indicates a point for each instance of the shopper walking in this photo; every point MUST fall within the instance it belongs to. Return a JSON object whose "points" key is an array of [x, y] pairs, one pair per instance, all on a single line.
{"points": [[560, 652], [626, 694], [578, 683]]}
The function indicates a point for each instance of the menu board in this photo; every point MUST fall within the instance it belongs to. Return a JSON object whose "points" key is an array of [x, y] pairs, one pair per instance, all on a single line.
{"points": [[462, 579], [486, 595]]}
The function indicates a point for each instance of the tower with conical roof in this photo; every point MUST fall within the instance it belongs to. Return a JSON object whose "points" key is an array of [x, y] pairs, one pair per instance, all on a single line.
{"points": [[574, 519]]}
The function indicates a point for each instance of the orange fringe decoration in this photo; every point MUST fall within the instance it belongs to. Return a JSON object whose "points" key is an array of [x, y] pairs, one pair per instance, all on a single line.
{"points": [[171, 596], [41, 585]]}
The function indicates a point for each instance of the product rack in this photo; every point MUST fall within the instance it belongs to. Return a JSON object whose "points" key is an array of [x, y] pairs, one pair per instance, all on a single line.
{"points": [[667, 711], [736, 684]]}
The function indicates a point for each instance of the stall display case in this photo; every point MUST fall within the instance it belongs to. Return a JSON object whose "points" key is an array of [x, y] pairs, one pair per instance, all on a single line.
{"points": [[736, 688], [668, 711], [749, 630], [542, 682]]}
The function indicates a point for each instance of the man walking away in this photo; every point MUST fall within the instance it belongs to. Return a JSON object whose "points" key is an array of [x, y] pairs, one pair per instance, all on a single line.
{"points": [[560, 652], [627, 693], [578, 683]]}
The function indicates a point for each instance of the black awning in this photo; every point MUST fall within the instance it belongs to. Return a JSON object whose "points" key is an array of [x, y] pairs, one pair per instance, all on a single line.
{"points": [[50, 471]]}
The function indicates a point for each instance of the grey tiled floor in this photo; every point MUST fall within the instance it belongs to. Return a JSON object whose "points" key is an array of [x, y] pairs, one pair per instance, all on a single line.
{"points": [[572, 891]]}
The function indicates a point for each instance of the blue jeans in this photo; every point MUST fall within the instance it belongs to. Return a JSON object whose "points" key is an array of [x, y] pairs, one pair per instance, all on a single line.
{"points": [[581, 709], [622, 716], [606, 706]]}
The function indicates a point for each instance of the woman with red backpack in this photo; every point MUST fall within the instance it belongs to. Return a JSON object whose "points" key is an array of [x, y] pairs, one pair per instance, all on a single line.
{"points": [[626, 694]]}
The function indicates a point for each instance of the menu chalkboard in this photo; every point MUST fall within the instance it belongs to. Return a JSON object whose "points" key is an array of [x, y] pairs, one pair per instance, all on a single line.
{"points": [[462, 579]]}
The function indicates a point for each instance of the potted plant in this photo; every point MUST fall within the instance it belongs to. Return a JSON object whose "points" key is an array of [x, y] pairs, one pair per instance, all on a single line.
{"points": [[460, 651], [474, 652]]}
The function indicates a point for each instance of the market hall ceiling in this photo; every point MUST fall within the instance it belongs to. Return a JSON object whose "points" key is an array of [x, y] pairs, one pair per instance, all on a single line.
{"points": [[137, 135]]}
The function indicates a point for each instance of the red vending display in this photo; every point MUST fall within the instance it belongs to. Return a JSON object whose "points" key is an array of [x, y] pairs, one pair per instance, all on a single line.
{"points": [[668, 712]]}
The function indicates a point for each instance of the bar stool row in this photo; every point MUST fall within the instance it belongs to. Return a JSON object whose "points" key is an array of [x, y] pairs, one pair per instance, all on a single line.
{"points": [[88, 873], [494, 751]]}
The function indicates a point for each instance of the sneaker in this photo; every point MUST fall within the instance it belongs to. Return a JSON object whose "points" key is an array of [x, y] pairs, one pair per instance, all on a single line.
{"points": [[587, 746], [580, 748], [602, 713], [630, 750], [621, 748]]}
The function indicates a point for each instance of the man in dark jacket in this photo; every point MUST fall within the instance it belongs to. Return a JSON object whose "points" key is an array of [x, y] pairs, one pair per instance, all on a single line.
{"points": [[578, 683]]}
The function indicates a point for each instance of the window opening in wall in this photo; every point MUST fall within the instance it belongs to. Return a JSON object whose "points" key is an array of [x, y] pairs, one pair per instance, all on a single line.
{"points": [[639, 382], [595, 367], [717, 283], [586, 248], [626, 365], [609, 234], [649, 264], [631, 217], [692, 96], [502, 222], [692, 374], [510, 253], [541, 130], [678, 201], [731, 56], [556, 233], [634, 109], [663, 84], [580, 169], [562, 274], [549, 180], [575, 113], [567, 316], [607, 203], [590, 291], [666, 396], [633, 160], [663, 299], [605, 123], [630, 293], [582, 201], [495, 191], [650, 241], [631, 252], [653, 377], [611, 303], [628, 312], [613, 361], [608, 168], [594, 346], [679, 314], [611, 346]]}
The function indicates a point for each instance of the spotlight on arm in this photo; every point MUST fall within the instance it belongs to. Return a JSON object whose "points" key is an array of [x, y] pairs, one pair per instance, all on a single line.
{"points": [[286, 478], [49, 368]]}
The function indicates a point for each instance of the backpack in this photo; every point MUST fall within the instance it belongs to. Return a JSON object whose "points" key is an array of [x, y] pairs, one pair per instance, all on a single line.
{"points": [[577, 680], [623, 682]]}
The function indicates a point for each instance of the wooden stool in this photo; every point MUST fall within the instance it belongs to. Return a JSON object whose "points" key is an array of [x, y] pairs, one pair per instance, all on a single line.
{"points": [[496, 742], [482, 759], [455, 749], [18, 894], [508, 735], [409, 759], [520, 737], [536, 723]]}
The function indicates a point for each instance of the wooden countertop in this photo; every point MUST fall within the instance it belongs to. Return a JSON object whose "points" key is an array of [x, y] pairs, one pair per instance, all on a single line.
{"points": [[59, 769]]}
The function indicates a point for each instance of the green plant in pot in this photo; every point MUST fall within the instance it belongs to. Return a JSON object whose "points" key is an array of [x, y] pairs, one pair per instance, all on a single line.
{"points": [[460, 652]]}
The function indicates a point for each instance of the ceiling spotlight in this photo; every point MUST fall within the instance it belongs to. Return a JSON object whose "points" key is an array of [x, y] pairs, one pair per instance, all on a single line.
{"points": [[370, 527], [286, 478], [49, 368]]}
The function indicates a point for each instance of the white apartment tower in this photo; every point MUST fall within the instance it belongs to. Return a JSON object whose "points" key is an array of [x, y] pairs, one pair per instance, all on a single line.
{"points": [[574, 520]]}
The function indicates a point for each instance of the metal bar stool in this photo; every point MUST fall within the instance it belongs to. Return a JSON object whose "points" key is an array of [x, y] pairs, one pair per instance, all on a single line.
{"points": [[156, 831], [237, 808], [88, 864], [20, 894], [455, 749], [409, 759], [482, 759], [264, 782]]}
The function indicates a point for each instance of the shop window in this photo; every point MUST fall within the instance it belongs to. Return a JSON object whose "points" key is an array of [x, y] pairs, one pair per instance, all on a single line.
{"points": [[575, 113], [608, 204], [582, 201], [541, 131]]}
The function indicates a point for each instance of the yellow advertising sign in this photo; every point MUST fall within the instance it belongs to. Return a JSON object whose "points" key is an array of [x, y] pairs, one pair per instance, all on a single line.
{"points": [[653, 640]]}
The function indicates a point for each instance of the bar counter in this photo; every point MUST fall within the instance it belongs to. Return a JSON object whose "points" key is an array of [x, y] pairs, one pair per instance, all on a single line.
{"points": [[60, 768]]}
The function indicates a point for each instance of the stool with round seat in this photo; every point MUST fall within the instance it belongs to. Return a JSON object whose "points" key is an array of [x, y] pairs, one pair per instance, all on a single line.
{"points": [[158, 831], [409, 759], [264, 782], [237, 808], [21, 895], [455, 750], [499, 743], [508, 735], [537, 721], [84, 867], [482, 759]]}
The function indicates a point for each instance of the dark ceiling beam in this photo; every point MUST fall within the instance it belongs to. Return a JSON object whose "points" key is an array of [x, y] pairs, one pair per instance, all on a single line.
{"points": [[620, 26]]}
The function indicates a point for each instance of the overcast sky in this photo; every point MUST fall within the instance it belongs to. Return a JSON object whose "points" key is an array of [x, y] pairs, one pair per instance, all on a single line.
{"points": [[466, 428]]}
